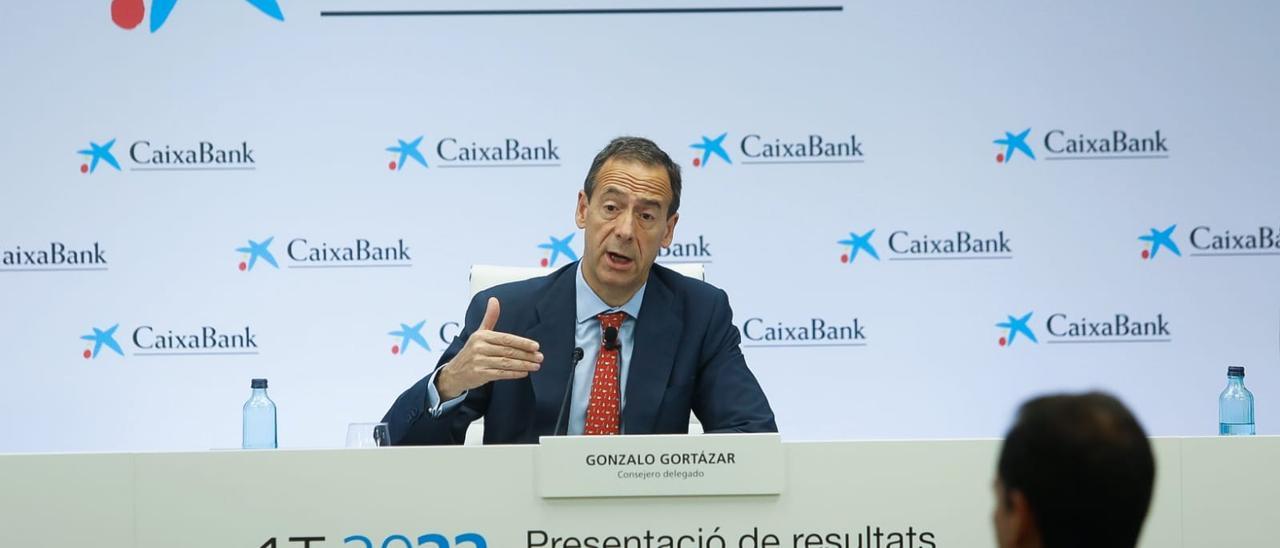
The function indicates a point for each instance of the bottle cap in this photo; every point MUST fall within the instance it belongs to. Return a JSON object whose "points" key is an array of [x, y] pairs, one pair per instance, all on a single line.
{"points": [[1235, 371], [258, 383]]}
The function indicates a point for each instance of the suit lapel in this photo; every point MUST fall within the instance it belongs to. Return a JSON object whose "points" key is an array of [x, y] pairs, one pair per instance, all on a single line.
{"points": [[657, 333], [553, 329]]}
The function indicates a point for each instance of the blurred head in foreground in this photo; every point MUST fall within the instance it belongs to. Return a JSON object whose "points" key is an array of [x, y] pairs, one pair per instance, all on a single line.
{"points": [[1075, 471]]}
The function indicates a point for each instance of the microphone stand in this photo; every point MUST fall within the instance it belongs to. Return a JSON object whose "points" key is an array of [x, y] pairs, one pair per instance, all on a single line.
{"points": [[568, 389]]}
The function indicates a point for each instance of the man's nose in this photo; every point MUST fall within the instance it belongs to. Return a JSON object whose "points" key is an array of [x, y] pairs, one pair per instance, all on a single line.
{"points": [[624, 228]]}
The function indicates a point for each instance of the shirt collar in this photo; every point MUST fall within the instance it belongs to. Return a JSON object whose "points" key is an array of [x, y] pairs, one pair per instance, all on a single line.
{"points": [[591, 305]]}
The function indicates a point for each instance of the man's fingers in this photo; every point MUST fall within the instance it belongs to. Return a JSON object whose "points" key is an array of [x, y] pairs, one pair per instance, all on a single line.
{"points": [[499, 351], [507, 339], [490, 315], [507, 364], [503, 374]]}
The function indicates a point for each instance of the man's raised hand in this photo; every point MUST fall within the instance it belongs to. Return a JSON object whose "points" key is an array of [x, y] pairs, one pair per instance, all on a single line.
{"points": [[487, 356]]}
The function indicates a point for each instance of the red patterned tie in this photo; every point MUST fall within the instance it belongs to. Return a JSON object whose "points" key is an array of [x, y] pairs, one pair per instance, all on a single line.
{"points": [[602, 412]]}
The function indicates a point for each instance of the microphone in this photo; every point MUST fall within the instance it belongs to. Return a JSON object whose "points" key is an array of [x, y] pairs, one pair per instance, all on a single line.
{"points": [[611, 338], [568, 389]]}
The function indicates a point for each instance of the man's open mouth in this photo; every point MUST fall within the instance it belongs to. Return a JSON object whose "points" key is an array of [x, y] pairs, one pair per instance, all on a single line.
{"points": [[618, 259]]}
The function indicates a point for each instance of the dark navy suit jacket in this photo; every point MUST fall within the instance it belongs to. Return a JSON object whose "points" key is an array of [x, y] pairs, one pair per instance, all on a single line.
{"points": [[685, 358]]}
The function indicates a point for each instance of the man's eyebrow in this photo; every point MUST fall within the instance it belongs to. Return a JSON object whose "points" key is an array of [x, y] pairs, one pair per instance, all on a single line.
{"points": [[612, 190]]}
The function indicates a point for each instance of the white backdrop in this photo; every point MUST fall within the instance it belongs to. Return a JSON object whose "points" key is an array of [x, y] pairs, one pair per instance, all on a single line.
{"points": [[923, 88]]}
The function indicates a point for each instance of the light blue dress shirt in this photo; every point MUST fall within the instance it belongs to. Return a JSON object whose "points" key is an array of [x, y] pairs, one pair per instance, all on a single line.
{"points": [[588, 336]]}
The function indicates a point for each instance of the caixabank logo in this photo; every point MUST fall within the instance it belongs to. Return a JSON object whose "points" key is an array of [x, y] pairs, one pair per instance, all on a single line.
{"points": [[405, 151], [148, 340], [128, 14], [760, 332], [1064, 328], [1157, 239], [98, 153], [1061, 144], [687, 250], [408, 336], [100, 338], [557, 251], [1015, 327], [310, 253], [757, 149], [53, 257], [903, 244], [1210, 241], [148, 155], [461, 152], [1240, 241]]}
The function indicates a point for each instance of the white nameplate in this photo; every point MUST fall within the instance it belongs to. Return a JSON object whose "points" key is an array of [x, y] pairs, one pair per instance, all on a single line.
{"points": [[648, 466]]}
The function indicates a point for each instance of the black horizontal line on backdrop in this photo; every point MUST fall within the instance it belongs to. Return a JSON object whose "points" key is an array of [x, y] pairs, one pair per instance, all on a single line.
{"points": [[814, 345], [581, 11], [195, 353], [1129, 157], [1006, 257], [1114, 341], [761, 162], [350, 266], [192, 168], [93, 269], [442, 166], [1235, 254]]}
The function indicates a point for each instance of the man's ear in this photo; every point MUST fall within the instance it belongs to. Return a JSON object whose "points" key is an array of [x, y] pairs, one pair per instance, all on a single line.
{"points": [[1025, 531], [580, 215], [671, 229]]}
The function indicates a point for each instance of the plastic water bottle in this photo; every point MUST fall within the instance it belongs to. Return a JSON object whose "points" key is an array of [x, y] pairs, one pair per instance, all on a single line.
{"points": [[1235, 406], [260, 418]]}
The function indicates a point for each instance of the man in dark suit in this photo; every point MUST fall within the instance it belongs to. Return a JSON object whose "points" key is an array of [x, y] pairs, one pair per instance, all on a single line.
{"points": [[612, 344]]}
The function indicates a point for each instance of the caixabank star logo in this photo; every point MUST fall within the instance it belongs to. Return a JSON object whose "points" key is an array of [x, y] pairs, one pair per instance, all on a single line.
{"points": [[1204, 241], [557, 248], [759, 148], [148, 155], [1014, 144], [466, 152], [255, 251], [710, 147], [100, 338], [1060, 144], [148, 340], [858, 243], [914, 245], [98, 153], [1068, 328], [1159, 239], [408, 336], [1015, 327], [306, 253], [406, 150], [128, 14]]}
